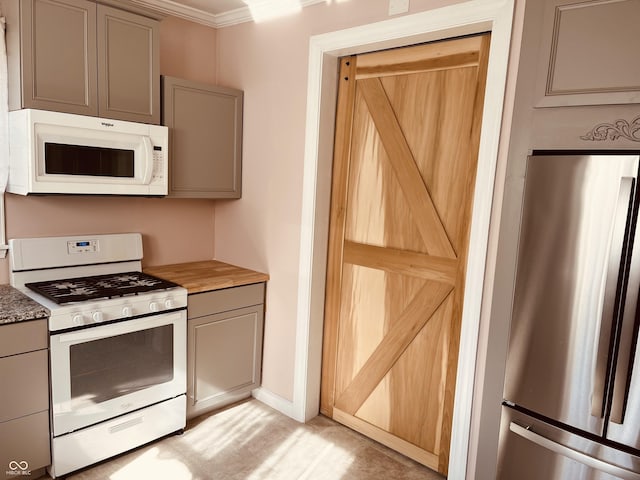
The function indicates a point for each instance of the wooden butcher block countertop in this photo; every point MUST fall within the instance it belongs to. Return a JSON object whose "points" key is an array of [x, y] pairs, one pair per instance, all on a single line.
{"points": [[207, 275]]}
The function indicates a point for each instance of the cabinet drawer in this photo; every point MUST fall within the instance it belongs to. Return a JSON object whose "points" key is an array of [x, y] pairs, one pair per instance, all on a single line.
{"points": [[25, 384], [22, 440], [207, 303], [23, 337]]}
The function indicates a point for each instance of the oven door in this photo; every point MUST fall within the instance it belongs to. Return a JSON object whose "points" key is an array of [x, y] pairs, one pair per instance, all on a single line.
{"points": [[101, 372]]}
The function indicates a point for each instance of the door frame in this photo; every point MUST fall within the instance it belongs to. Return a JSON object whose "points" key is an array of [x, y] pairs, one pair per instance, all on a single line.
{"points": [[464, 18]]}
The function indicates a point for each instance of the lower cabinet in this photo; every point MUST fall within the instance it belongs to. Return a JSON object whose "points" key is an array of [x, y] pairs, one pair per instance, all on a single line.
{"points": [[224, 346], [24, 399]]}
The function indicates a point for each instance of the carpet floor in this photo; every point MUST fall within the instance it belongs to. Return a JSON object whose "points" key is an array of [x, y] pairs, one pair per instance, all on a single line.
{"points": [[251, 441]]}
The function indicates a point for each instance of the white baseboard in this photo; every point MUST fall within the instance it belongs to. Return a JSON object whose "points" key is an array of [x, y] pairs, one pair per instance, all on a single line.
{"points": [[276, 402]]}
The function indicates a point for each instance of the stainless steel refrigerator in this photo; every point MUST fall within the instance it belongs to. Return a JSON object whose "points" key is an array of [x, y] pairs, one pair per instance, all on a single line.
{"points": [[571, 407]]}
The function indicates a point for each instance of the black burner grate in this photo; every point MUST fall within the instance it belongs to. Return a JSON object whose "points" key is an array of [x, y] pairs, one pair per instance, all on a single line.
{"points": [[100, 286]]}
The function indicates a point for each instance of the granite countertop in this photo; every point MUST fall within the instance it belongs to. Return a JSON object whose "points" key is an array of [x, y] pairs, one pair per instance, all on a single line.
{"points": [[17, 307], [207, 275]]}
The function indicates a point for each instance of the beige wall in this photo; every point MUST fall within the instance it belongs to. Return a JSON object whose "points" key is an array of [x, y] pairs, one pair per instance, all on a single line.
{"points": [[269, 62], [173, 230], [187, 50]]}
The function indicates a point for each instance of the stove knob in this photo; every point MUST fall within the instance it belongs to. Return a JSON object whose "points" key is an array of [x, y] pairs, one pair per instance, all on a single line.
{"points": [[98, 317], [168, 303], [154, 306], [77, 319], [126, 311]]}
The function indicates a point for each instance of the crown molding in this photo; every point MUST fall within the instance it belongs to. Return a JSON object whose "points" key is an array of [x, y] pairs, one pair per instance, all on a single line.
{"points": [[225, 19]]}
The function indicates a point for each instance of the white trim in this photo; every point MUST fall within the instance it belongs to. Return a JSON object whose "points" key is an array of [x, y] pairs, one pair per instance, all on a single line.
{"points": [[215, 20], [274, 401], [464, 18]]}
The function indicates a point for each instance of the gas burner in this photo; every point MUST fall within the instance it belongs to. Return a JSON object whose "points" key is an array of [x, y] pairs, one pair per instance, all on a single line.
{"points": [[101, 286], [82, 291], [65, 285]]}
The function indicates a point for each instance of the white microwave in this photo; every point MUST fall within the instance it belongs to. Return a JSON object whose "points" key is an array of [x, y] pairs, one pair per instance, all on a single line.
{"points": [[62, 153]]}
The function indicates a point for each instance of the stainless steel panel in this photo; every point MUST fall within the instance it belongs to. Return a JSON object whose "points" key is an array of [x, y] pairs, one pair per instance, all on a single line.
{"points": [[522, 458], [567, 263], [610, 313]]}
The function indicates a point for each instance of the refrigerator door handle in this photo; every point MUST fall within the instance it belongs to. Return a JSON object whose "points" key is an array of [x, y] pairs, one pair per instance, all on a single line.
{"points": [[544, 442], [626, 336], [601, 371]]}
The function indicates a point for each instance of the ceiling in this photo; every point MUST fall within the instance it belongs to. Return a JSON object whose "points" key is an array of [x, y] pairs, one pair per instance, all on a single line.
{"points": [[220, 13]]}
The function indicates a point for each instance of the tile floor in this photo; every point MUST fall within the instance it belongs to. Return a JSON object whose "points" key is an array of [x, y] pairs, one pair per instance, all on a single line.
{"points": [[251, 441]]}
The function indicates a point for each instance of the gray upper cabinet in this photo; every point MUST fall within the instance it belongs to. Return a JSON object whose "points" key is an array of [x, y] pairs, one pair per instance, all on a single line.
{"points": [[77, 56], [128, 66], [55, 70], [589, 53], [205, 139]]}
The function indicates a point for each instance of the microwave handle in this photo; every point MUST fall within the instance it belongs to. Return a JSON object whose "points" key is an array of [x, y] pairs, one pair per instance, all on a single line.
{"points": [[148, 164]]}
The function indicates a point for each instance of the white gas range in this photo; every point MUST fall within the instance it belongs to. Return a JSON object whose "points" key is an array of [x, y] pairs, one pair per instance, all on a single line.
{"points": [[117, 344]]}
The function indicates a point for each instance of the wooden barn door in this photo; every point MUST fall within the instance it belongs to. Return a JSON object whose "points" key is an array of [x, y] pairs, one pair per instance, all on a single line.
{"points": [[407, 135]]}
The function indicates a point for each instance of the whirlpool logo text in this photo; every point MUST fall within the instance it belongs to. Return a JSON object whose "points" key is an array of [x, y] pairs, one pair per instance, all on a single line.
{"points": [[17, 468]]}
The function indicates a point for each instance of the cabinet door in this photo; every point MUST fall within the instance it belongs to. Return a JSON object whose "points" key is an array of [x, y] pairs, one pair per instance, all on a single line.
{"points": [[128, 66], [224, 357], [588, 53], [25, 384], [59, 55], [24, 445], [205, 142]]}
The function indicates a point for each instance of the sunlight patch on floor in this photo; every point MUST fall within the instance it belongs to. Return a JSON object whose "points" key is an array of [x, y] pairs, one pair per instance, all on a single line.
{"points": [[150, 465], [291, 458], [227, 431]]}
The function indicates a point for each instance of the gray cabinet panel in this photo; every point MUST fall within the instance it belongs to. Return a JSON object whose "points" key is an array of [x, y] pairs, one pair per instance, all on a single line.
{"points": [[128, 66], [77, 56], [588, 51], [23, 337], [59, 55], [24, 398], [205, 142], [25, 384], [217, 301], [224, 346], [22, 440], [225, 358]]}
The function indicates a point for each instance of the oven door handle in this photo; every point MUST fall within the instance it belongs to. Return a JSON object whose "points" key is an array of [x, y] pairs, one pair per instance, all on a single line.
{"points": [[95, 332]]}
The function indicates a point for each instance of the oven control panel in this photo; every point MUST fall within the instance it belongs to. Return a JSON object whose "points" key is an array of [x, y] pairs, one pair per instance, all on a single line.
{"points": [[107, 310]]}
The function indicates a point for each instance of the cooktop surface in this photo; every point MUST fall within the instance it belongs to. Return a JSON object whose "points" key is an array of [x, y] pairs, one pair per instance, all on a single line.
{"points": [[100, 286]]}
